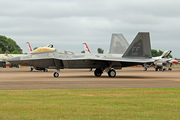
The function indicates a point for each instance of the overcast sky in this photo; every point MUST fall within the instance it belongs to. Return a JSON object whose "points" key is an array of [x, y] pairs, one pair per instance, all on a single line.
{"points": [[68, 23]]}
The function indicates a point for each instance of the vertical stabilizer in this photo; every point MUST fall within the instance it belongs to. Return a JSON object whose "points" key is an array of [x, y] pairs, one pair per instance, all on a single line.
{"points": [[118, 45], [140, 47]]}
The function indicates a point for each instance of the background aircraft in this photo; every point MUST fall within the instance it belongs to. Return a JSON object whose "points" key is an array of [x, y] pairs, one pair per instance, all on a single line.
{"points": [[5, 57], [161, 62], [138, 53]]}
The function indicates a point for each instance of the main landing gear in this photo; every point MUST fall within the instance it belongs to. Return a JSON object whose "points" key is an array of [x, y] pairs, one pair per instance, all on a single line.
{"points": [[162, 69], [111, 72], [98, 72]]}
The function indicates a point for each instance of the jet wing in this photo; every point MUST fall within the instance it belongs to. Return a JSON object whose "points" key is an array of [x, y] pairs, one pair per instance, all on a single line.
{"points": [[110, 59]]}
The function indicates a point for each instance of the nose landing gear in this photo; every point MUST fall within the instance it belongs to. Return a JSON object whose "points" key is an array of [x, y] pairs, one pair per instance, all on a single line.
{"points": [[56, 74]]}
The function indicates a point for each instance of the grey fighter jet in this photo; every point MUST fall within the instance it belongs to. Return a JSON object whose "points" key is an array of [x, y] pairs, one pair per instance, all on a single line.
{"points": [[138, 53]]}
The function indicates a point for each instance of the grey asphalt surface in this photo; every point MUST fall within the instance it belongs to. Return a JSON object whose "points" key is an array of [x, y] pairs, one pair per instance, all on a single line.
{"points": [[23, 79]]}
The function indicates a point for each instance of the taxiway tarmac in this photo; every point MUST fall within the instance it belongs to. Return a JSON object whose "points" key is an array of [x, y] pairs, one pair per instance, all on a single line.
{"points": [[23, 79]]}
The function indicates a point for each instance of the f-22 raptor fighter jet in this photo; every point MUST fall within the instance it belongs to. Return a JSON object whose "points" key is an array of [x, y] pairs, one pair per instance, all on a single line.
{"points": [[138, 53]]}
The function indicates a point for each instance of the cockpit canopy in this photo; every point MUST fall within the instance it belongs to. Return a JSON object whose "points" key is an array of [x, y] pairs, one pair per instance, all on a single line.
{"points": [[43, 49], [166, 53]]}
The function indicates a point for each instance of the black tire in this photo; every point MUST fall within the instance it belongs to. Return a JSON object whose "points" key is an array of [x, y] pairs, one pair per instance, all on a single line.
{"points": [[98, 72], [112, 73], [169, 69], [56, 74], [156, 69]]}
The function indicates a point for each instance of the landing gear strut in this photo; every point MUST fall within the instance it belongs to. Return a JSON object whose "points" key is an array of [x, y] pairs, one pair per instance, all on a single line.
{"points": [[31, 69]]}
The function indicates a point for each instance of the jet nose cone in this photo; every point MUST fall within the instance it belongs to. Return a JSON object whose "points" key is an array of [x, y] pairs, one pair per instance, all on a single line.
{"points": [[14, 60], [175, 61]]}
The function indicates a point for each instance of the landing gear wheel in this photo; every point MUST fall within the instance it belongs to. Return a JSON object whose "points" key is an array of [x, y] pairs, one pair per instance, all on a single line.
{"points": [[156, 69], [98, 72], [112, 73], [145, 69], [169, 69], [56, 74]]}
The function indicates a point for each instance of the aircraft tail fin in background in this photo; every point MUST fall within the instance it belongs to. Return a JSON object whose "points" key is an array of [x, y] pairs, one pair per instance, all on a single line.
{"points": [[118, 45], [86, 48], [140, 47], [29, 47]]}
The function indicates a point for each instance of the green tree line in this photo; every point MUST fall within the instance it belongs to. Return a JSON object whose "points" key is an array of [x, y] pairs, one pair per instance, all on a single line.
{"points": [[8, 45]]}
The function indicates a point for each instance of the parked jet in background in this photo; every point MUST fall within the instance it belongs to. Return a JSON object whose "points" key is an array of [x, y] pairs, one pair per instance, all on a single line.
{"points": [[138, 53], [5, 57], [162, 61]]}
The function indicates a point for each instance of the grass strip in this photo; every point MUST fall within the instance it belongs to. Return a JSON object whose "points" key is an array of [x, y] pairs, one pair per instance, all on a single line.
{"points": [[90, 104]]}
